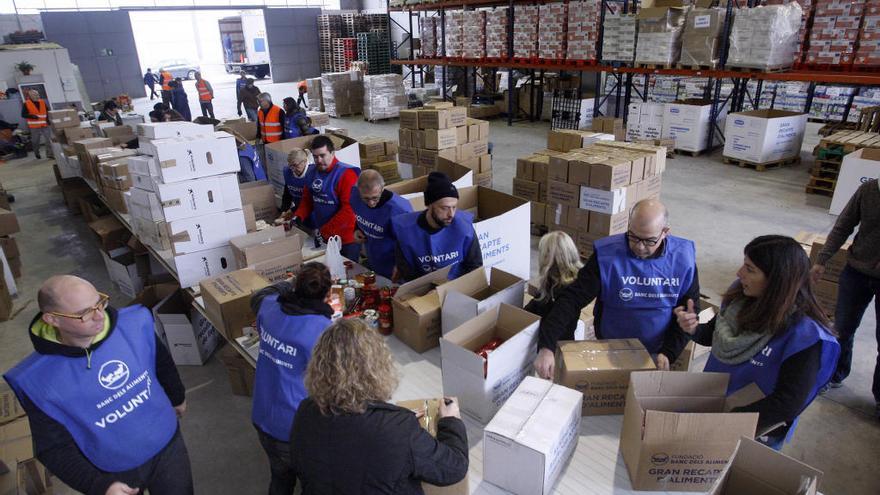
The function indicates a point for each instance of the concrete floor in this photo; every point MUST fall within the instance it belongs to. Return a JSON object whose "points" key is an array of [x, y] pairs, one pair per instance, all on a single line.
{"points": [[719, 206]]}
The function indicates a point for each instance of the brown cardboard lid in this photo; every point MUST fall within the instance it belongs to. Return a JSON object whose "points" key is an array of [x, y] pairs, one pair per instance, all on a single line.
{"points": [[600, 355]]}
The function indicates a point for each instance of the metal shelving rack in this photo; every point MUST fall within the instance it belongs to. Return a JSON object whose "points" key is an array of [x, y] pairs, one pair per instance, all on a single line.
{"points": [[623, 89]]}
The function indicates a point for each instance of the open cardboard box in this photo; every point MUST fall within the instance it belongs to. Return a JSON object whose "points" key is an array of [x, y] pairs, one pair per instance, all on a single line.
{"points": [[756, 469], [460, 175], [227, 300], [676, 435], [484, 385], [527, 444], [189, 336], [261, 196], [270, 252], [417, 310], [501, 222], [473, 293], [600, 369], [431, 410]]}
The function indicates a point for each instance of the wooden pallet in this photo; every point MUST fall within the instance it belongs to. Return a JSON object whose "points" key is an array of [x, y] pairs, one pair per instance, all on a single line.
{"points": [[752, 70], [822, 182], [761, 167], [654, 66], [689, 152], [696, 67], [822, 191], [373, 121], [850, 141]]}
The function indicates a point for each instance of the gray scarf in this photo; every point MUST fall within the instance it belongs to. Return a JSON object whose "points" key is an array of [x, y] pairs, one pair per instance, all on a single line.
{"points": [[729, 345]]}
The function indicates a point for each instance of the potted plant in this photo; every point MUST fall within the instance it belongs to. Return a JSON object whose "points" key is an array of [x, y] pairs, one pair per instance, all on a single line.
{"points": [[24, 67]]}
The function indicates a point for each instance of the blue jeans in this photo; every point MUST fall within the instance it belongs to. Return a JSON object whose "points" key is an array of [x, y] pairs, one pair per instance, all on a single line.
{"points": [[855, 292], [251, 114]]}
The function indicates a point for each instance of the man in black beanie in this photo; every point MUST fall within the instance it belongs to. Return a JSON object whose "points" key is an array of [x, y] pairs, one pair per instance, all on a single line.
{"points": [[436, 237]]}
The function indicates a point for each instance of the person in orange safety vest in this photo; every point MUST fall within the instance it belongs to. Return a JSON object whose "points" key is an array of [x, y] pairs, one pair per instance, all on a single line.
{"points": [[206, 95], [36, 112], [165, 78], [270, 120]]}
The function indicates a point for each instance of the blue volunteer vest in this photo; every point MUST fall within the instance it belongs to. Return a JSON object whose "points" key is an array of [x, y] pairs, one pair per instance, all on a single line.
{"points": [[325, 201], [286, 344], [249, 159], [375, 223], [292, 130], [426, 252], [763, 368], [116, 410], [638, 295], [296, 185]]}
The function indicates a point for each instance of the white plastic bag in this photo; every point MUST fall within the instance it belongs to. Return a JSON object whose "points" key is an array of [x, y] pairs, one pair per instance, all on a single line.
{"points": [[335, 261]]}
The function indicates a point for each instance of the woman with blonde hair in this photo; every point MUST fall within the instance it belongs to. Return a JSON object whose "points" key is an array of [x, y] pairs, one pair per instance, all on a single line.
{"points": [[558, 266], [347, 438]]}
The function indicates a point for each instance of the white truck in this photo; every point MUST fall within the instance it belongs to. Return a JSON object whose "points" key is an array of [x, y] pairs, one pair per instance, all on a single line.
{"points": [[245, 48]]}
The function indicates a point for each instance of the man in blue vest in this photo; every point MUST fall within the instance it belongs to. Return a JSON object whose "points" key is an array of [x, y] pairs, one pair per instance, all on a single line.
{"points": [[326, 200], [102, 395], [374, 207], [637, 279], [296, 122], [437, 237]]}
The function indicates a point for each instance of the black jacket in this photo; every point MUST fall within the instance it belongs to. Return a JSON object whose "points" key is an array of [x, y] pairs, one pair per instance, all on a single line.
{"points": [[383, 450], [55, 446]]}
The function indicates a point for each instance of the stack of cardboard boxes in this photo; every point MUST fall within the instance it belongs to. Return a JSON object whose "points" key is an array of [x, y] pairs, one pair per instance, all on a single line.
{"points": [[835, 32], [525, 32], [186, 197], [583, 29], [314, 93], [474, 34], [552, 33], [66, 128], [868, 53], [441, 130], [9, 226], [660, 31], [454, 32], [20, 472], [343, 93], [380, 155], [701, 38], [384, 97], [619, 38], [765, 37], [428, 36], [496, 33]]}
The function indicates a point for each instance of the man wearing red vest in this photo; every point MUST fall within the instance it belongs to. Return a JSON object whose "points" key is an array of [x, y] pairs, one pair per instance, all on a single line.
{"points": [[206, 95], [270, 120], [36, 112]]}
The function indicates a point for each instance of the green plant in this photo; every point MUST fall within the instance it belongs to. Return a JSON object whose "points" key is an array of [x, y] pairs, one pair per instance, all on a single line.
{"points": [[24, 67]]}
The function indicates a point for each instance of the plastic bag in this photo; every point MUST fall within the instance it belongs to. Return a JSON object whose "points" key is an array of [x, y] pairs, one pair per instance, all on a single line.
{"points": [[335, 261]]}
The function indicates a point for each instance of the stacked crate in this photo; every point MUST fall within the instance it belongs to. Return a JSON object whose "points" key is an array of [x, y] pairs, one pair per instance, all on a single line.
{"points": [[868, 53], [380, 154], [525, 32], [454, 34], [583, 29], [552, 35], [496, 33], [835, 33], [376, 23], [352, 24], [329, 28], [474, 28], [373, 48], [428, 35], [344, 52]]}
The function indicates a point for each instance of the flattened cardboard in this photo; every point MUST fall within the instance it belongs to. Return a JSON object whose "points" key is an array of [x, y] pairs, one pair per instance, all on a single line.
{"points": [[472, 293]]}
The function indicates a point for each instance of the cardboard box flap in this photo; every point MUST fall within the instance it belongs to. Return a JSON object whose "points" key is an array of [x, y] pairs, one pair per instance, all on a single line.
{"points": [[421, 286], [749, 394], [500, 279], [426, 303], [492, 203], [647, 384], [617, 354], [470, 283], [757, 469], [697, 427], [417, 185]]}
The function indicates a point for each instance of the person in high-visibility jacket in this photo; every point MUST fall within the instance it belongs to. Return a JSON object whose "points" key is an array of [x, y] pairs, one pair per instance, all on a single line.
{"points": [[166, 78], [303, 89], [270, 120], [36, 112], [206, 95]]}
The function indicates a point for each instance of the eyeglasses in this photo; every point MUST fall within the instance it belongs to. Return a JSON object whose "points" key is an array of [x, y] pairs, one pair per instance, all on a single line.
{"points": [[89, 313], [649, 242]]}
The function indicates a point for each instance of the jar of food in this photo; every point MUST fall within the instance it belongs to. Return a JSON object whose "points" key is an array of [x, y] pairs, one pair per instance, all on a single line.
{"points": [[386, 318], [369, 279]]}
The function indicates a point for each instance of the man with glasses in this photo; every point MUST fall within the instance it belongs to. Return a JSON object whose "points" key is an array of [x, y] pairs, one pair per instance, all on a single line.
{"points": [[102, 395], [638, 279], [374, 207]]}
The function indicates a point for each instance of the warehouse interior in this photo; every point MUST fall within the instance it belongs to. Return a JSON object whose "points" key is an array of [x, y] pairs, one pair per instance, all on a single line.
{"points": [[533, 105]]}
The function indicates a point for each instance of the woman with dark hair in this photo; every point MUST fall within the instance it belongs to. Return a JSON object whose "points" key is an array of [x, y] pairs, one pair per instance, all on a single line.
{"points": [[290, 318], [772, 332], [348, 439], [296, 122]]}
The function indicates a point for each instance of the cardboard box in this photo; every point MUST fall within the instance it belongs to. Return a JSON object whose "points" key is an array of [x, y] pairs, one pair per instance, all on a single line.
{"points": [[469, 151], [417, 311], [600, 370], [125, 270], [241, 374], [528, 443], [189, 235], [563, 193], [72, 134], [65, 118], [10, 408], [826, 295], [227, 300], [430, 410], [115, 175], [189, 336], [602, 201], [858, 167], [409, 119], [8, 222], [164, 130], [415, 188], [526, 189], [408, 155], [276, 155], [192, 157], [763, 136], [473, 293], [603, 224], [261, 196], [187, 199], [611, 174], [10, 247], [109, 232], [660, 455], [430, 158], [758, 469], [835, 265], [439, 139], [16, 445], [482, 385], [371, 146], [269, 252], [687, 122], [193, 267], [119, 134]]}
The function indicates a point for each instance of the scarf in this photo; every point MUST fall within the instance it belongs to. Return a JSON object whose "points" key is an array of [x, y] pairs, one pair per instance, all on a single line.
{"points": [[729, 345]]}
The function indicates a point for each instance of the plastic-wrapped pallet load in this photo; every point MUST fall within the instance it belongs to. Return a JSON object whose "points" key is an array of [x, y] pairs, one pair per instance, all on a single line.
{"points": [[660, 34], [835, 32], [474, 28], [313, 89], [765, 37], [343, 93], [454, 33], [551, 33], [496, 33], [384, 96], [619, 38], [525, 32], [428, 35], [583, 29], [702, 38]]}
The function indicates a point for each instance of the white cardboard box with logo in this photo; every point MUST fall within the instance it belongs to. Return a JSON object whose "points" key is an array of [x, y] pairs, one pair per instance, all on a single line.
{"points": [[688, 124], [189, 235], [474, 292], [762, 136], [193, 267], [163, 130], [190, 336], [191, 157], [187, 199], [858, 167]]}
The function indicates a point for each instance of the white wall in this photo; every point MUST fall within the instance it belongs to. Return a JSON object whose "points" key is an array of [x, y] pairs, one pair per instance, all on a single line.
{"points": [[53, 65], [9, 23]]}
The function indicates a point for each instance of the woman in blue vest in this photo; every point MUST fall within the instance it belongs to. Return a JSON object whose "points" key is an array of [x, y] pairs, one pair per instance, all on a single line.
{"points": [[374, 207], [250, 167], [294, 182], [179, 100], [296, 122], [290, 320], [772, 332], [102, 395]]}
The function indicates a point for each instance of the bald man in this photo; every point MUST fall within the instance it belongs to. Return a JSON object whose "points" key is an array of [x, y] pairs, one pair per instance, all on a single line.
{"points": [[102, 395], [637, 279], [374, 207]]}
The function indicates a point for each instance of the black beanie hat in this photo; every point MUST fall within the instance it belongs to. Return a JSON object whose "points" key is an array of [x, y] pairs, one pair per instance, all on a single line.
{"points": [[439, 187]]}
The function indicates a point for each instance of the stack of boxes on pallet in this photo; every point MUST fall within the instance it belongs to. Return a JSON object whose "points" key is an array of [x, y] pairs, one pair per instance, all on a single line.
{"points": [[496, 33], [619, 38], [701, 39], [441, 130], [343, 93], [380, 155], [587, 191], [835, 32], [660, 30], [9, 226], [765, 37], [552, 33], [474, 34], [583, 29], [186, 197], [428, 36], [868, 52], [384, 96], [454, 40], [525, 32]]}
